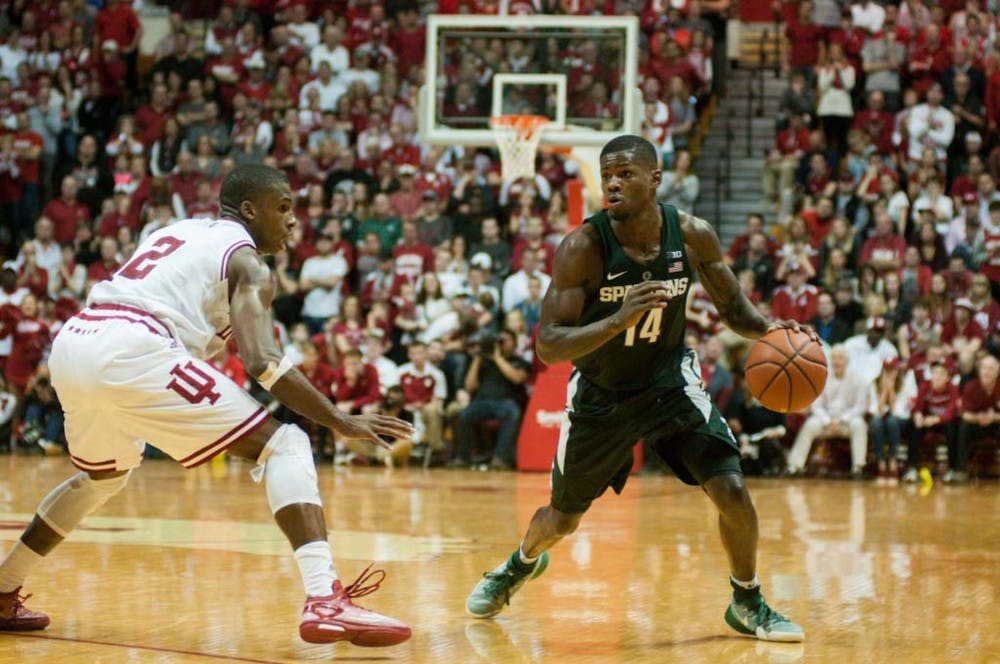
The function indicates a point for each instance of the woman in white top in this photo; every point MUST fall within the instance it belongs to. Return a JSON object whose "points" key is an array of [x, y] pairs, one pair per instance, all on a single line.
{"points": [[434, 309], [835, 109], [889, 401]]}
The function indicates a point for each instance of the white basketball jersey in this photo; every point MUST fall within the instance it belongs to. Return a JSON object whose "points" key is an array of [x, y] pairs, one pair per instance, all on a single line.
{"points": [[178, 274]]}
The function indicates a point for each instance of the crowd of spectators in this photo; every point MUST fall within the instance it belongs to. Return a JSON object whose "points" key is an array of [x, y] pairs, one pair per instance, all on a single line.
{"points": [[414, 281], [882, 189]]}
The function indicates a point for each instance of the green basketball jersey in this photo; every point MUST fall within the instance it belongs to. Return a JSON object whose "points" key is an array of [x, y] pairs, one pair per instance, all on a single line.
{"points": [[649, 353]]}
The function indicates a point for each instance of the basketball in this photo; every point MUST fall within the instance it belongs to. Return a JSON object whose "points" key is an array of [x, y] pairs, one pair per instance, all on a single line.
{"points": [[786, 370]]}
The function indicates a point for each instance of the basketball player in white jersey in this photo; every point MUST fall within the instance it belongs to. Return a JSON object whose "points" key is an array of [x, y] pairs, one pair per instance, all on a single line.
{"points": [[131, 367]]}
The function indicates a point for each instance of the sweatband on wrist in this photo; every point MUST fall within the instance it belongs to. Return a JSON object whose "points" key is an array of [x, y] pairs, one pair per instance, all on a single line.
{"points": [[273, 373]]}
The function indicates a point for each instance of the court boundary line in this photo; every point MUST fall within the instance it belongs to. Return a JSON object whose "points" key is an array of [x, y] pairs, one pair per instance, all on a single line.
{"points": [[174, 651]]}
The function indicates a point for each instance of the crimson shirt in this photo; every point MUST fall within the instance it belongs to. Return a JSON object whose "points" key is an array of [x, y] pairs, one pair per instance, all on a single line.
{"points": [[944, 403], [950, 331], [25, 140], [99, 271], [30, 339], [804, 39], [65, 217], [892, 245], [119, 23], [799, 306], [976, 399], [321, 377], [417, 389], [363, 392]]}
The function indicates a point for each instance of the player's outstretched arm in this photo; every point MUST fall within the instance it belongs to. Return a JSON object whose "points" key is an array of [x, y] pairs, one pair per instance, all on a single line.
{"points": [[577, 270], [251, 289], [705, 255]]}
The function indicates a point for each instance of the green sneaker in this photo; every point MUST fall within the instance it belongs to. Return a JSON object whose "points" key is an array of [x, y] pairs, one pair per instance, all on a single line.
{"points": [[762, 621], [494, 591]]}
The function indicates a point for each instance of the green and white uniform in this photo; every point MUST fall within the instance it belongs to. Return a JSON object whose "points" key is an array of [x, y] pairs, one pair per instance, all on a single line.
{"points": [[643, 384]]}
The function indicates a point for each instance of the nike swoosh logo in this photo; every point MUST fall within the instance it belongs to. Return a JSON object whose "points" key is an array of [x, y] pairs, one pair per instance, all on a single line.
{"points": [[612, 277]]}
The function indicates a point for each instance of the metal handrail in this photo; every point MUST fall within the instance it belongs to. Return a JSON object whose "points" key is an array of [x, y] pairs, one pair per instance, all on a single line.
{"points": [[749, 115], [727, 153], [755, 91], [717, 199], [777, 44], [761, 66]]}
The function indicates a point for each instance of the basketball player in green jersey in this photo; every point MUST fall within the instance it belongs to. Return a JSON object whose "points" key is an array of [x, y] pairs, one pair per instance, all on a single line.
{"points": [[616, 310]]}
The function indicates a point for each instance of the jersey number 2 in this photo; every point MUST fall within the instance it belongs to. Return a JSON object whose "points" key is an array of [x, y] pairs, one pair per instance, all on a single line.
{"points": [[650, 330], [143, 264]]}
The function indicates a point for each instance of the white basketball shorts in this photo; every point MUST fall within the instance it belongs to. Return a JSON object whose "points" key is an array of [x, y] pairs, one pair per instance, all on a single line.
{"points": [[123, 380]]}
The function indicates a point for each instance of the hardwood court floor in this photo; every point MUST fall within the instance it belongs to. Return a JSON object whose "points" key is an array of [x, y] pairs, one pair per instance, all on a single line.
{"points": [[186, 566]]}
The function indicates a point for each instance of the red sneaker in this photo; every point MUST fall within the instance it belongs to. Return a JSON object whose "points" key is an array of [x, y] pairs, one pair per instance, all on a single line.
{"points": [[334, 617], [15, 617]]}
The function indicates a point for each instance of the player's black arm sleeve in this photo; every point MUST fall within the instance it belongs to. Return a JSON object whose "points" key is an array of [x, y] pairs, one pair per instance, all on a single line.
{"points": [[251, 289], [735, 308]]}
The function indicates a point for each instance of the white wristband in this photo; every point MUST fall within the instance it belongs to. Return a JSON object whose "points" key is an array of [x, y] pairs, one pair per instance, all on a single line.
{"points": [[273, 373]]}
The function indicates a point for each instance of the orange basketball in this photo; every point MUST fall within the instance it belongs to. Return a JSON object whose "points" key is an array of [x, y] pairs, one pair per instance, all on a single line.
{"points": [[786, 370]]}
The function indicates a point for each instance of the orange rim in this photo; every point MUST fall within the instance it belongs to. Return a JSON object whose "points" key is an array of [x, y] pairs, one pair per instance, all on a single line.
{"points": [[524, 125]]}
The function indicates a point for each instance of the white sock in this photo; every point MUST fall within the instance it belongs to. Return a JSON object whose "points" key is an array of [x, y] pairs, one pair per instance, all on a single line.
{"points": [[14, 570], [525, 559], [316, 567], [746, 585]]}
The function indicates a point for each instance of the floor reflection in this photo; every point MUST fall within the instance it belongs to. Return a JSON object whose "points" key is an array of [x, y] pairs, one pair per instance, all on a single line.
{"points": [[187, 566]]}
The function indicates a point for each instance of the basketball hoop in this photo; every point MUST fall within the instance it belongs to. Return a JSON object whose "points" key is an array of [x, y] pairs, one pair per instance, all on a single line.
{"points": [[517, 138]]}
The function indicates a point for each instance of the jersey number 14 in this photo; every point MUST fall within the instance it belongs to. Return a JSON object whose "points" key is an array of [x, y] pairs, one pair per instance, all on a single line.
{"points": [[650, 330]]}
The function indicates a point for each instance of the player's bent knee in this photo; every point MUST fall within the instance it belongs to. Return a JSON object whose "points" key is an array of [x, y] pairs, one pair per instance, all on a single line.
{"points": [[64, 508], [287, 467], [565, 524]]}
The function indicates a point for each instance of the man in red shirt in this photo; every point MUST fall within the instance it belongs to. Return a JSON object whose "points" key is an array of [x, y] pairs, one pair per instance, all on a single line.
{"points": [[119, 22], [104, 269], [962, 335], [929, 59], [804, 36], [321, 375], [112, 72], [935, 410], [673, 63], [66, 212], [28, 147], [355, 384], [406, 200], [412, 257], [783, 159], [534, 239], [408, 41], [740, 244], [884, 250], [256, 86], [184, 182], [227, 70], [980, 417], [151, 117], [402, 151], [796, 300], [876, 122], [424, 392]]}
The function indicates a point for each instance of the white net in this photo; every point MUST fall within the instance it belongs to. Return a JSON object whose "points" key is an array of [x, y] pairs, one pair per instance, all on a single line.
{"points": [[517, 137]]}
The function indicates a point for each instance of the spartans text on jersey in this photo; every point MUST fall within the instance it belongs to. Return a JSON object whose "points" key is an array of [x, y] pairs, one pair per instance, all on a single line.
{"points": [[674, 288]]}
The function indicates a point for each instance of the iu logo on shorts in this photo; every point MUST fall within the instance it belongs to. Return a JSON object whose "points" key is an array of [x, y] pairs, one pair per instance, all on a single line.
{"points": [[192, 383]]}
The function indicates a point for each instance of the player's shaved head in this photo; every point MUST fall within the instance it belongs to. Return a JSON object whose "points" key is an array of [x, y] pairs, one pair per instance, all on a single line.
{"points": [[645, 153], [246, 183]]}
